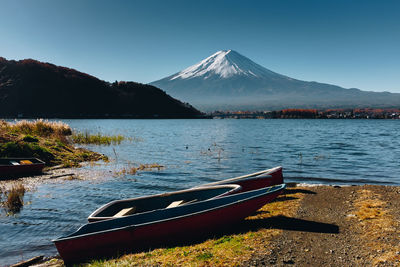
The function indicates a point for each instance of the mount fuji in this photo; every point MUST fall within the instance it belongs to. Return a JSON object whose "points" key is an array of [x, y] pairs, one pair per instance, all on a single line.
{"points": [[227, 80]]}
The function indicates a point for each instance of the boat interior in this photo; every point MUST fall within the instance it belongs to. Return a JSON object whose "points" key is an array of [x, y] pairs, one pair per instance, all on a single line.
{"points": [[19, 161], [127, 207]]}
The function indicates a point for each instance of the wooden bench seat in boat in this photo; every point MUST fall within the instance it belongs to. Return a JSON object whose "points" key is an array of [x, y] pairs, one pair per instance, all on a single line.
{"points": [[175, 204], [125, 212], [180, 202]]}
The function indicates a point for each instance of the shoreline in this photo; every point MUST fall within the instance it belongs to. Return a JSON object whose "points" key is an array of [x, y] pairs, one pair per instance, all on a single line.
{"points": [[60, 174], [320, 225]]}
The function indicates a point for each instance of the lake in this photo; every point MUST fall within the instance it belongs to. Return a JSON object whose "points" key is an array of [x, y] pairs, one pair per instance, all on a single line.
{"points": [[195, 152]]}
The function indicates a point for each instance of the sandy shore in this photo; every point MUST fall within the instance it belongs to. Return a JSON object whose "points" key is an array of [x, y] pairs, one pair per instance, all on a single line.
{"points": [[326, 226]]}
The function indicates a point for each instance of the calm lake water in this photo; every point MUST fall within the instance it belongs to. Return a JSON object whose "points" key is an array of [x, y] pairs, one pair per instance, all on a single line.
{"points": [[200, 151]]}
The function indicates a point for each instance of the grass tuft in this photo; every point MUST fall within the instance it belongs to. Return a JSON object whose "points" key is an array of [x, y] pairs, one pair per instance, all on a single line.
{"points": [[96, 139], [132, 170], [14, 198]]}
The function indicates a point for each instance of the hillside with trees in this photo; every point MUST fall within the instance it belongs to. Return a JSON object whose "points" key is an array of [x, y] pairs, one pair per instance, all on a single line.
{"points": [[31, 89]]}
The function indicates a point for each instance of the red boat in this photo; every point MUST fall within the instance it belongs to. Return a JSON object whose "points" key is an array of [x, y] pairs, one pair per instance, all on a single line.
{"points": [[135, 232], [11, 167], [125, 207], [255, 180]]}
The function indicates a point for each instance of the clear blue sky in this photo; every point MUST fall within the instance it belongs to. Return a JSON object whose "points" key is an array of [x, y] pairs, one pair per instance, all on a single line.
{"points": [[343, 42]]}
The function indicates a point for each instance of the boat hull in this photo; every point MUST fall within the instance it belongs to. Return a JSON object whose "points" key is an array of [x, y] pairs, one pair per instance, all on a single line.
{"points": [[8, 170], [139, 237], [255, 180]]}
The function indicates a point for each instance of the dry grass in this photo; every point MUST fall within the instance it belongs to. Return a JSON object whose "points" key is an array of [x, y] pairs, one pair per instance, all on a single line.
{"points": [[374, 223], [12, 199], [72, 177], [368, 209], [38, 127], [228, 250], [149, 167], [132, 170]]}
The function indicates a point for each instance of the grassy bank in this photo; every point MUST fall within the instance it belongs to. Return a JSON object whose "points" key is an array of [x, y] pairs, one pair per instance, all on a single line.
{"points": [[48, 141]]}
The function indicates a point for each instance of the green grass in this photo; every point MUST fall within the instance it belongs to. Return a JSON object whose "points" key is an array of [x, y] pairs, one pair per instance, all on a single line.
{"points": [[204, 256], [21, 149], [97, 139], [223, 239], [225, 251]]}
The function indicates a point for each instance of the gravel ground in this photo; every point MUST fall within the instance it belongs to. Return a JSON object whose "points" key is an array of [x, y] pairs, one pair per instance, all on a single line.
{"points": [[339, 226]]}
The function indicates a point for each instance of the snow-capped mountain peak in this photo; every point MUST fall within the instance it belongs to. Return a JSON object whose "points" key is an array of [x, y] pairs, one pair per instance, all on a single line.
{"points": [[227, 80], [225, 64]]}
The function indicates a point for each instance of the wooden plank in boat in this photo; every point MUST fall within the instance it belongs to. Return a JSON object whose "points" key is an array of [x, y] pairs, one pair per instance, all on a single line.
{"points": [[125, 212], [175, 204]]}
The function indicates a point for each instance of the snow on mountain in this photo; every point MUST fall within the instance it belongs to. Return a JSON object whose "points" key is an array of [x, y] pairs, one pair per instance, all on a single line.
{"points": [[225, 63], [227, 80]]}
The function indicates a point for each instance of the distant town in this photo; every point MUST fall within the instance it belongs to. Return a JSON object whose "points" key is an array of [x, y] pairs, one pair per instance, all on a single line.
{"points": [[364, 113]]}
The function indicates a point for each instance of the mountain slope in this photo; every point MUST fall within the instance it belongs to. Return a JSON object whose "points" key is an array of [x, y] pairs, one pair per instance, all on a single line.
{"points": [[228, 80], [30, 88]]}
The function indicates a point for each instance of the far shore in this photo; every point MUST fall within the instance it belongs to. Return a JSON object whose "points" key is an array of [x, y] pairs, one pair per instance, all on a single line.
{"points": [[296, 113]]}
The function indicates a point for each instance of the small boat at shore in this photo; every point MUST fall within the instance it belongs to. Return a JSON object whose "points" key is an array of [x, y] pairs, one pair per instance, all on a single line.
{"points": [[148, 229], [246, 182], [254, 180], [12, 167], [125, 207]]}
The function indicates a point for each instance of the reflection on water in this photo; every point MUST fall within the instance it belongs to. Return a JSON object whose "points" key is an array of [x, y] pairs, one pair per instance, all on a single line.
{"points": [[201, 151]]}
